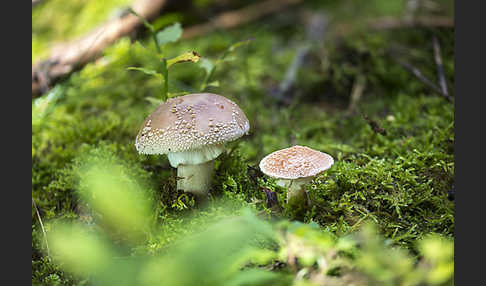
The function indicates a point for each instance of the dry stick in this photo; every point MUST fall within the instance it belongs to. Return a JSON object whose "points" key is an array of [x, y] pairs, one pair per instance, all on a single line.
{"points": [[315, 31], [42, 226], [281, 94], [66, 57], [416, 72], [440, 68]]}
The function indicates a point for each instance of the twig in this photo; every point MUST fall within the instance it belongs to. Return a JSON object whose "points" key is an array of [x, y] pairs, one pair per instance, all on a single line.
{"points": [[235, 18], [281, 93], [418, 74], [374, 125], [42, 226], [315, 28], [440, 68]]}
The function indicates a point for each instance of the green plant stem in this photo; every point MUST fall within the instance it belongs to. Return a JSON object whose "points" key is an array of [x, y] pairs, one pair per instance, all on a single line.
{"points": [[165, 84], [154, 37]]}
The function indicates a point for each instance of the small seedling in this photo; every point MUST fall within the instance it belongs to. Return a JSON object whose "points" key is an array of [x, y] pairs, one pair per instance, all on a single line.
{"points": [[162, 37]]}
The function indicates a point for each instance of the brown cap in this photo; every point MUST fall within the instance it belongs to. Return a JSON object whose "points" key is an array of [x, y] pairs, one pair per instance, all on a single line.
{"points": [[191, 122], [295, 162]]}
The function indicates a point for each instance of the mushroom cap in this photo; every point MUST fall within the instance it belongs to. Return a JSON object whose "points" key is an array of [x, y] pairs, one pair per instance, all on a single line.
{"points": [[191, 122], [295, 162]]}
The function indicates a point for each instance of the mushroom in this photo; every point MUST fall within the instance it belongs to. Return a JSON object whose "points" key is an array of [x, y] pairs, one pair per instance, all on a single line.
{"points": [[293, 168], [192, 130]]}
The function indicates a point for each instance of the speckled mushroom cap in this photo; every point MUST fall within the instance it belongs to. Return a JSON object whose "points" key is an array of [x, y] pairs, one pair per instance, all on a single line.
{"points": [[190, 122], [295, 162]]}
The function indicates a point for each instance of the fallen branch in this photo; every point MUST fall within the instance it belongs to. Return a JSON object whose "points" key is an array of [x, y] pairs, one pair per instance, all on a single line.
{"points": [[244, 15], [66, 57]]}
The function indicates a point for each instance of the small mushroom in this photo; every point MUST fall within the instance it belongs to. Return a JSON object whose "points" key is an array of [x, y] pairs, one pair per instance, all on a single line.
{"points": [[192, 130], [293, 168]]}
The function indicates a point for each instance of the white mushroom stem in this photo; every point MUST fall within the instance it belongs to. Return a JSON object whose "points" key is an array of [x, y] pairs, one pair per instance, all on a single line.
{"points": [[195, 168], [195, 179], [295, 189]]}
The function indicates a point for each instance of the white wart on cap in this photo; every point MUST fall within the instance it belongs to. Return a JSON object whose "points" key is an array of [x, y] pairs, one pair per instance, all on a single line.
{"points": [[192, 130]]}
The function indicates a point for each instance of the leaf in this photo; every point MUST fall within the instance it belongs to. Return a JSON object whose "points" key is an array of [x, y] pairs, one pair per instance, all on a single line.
{"points": [[79, 250], [239, 44], [119, 199], [42, 106], [207, 65], [227, 59], [186, 57], [169, 35], [153, 100], [210, 66], [146, 71], [214, 83], [256, 277], [232, 48]]}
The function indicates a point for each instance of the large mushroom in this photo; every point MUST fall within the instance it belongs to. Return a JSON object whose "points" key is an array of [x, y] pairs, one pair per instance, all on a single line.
{"points": [[192, 130], [295, 167]]}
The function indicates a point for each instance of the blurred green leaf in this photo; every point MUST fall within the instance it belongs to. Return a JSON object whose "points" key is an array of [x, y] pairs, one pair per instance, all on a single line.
{"points": [[206, 64], [257, 277], [80, 251], [123, 205], [185, 57], [209, 66], [167, 18], [169, 34], [146, 71], [154, 101], [214, 83], [42, 106]]}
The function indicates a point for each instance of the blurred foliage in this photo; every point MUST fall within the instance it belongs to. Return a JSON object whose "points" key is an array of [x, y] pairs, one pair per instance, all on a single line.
{"points": [[237, 249], [55, 21], [380, 216]]}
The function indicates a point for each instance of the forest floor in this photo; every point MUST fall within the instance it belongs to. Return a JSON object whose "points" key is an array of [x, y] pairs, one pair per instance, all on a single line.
{"points": [[391, 137]]}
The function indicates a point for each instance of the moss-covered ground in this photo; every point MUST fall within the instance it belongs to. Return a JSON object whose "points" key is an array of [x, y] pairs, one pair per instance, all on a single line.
{"points": [[399, 179]]}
